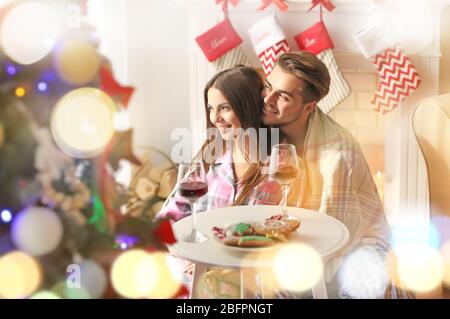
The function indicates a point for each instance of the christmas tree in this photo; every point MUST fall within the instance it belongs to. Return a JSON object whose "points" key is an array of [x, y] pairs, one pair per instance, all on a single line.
{"points": [[65, 226]]}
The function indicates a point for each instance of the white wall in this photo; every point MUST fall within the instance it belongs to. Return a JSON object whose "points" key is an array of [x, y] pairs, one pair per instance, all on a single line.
{"points": [[147, 42]]}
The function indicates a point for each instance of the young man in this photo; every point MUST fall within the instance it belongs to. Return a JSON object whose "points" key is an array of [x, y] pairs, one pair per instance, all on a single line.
{"points": [[337, 178]]}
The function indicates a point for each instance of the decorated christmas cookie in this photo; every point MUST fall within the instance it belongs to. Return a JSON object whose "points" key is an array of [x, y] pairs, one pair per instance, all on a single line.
{"points": [[257, 234]]}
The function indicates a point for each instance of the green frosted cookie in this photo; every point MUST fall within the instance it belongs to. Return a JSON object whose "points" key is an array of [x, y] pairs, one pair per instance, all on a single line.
{"points": [[243, 229], [254, 239]]}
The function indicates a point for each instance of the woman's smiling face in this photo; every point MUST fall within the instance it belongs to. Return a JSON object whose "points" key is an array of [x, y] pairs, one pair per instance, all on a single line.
{"points": [[221, 114]]}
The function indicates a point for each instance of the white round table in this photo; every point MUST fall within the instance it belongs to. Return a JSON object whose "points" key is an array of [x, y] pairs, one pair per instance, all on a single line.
{"points": [[323, 233]]}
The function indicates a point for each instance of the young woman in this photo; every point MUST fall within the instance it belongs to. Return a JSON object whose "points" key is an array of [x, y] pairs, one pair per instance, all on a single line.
{"points": [[233, 105]]}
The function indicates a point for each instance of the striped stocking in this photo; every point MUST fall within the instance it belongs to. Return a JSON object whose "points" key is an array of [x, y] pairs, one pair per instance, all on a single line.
{"points": [[222, 46], [317, 41], [269, 42], [398, 76]]}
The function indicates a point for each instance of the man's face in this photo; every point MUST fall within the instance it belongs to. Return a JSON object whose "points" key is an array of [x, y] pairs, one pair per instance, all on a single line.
{"points": [[283, 102]]}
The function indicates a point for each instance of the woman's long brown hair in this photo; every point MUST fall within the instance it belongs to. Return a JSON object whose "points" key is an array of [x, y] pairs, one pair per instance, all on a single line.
{"points": [[242, 87]]}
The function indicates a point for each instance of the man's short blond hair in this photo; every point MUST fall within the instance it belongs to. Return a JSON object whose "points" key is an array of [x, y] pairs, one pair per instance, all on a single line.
{"points": [[311, 70]]}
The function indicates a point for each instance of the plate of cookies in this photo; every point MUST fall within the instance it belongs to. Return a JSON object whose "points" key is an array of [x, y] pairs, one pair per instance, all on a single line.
{"points": [[255, 235]]}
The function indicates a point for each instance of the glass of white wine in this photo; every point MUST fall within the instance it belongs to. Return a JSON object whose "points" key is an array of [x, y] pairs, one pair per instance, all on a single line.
{"points": [[284, 168]]}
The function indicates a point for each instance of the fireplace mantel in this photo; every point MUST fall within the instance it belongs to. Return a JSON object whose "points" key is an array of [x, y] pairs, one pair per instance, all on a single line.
{"points": [[406, 186]]}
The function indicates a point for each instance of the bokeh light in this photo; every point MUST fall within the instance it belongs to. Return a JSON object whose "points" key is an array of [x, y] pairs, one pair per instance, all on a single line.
{"points": [[67, 292], [440, 228], [166, 284], [20, 275], [11, 70], [93, 278], [262, 263], [146, 275], [42, 86], [29, 32], [364, 274], [123, 273], [77, 62], [20, 91], [6, 216], [298, 267], [414, 231], [138, 274], [82, 122], [37, 230], [419, 267], [45, 294]]}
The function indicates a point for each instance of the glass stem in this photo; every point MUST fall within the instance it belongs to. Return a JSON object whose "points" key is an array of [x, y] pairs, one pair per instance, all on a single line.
{"points": [[285, 191], [194, 216]]}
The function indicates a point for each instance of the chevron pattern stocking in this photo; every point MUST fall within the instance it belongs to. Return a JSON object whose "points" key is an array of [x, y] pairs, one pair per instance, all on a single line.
{"points": [[398, 79], [269, 56]]}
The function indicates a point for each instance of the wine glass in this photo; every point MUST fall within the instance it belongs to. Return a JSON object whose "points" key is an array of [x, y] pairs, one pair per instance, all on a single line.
{"points": [[284, 168], [192, 185]]}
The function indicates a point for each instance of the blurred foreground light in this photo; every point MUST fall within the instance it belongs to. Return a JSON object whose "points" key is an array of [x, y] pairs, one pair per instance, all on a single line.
{"points": [[414, 232], [37, 230], [123, 273], [166, 284], [419, 267], [77, 62], [93, 278], [68, 292], [29, 32], [20, 275], [364, 274], [6, 216], [298, 267], [82, 122], [138, 274], [45, 294], [42, 86], [262, 262], [20, 91], [11, 70]]}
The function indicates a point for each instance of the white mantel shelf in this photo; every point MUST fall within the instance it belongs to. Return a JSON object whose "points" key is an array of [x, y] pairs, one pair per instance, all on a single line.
{"points": [[303, 5]]}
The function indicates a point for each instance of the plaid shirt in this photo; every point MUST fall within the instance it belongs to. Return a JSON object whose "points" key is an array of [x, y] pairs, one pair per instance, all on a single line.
{"points": [[336, 180]]}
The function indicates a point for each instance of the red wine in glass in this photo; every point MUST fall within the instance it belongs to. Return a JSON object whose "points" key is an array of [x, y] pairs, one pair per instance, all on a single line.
{"points": [[192, 189], [191, 186]]}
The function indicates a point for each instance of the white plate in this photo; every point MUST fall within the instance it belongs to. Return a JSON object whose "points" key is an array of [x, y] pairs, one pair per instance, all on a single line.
{"points": [[325, 234]]}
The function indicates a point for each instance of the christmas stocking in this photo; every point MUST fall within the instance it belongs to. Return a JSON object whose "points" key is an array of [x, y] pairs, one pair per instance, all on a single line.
{"points": [[317, 41], [398, 77], [269, 42], [222, 46]]}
